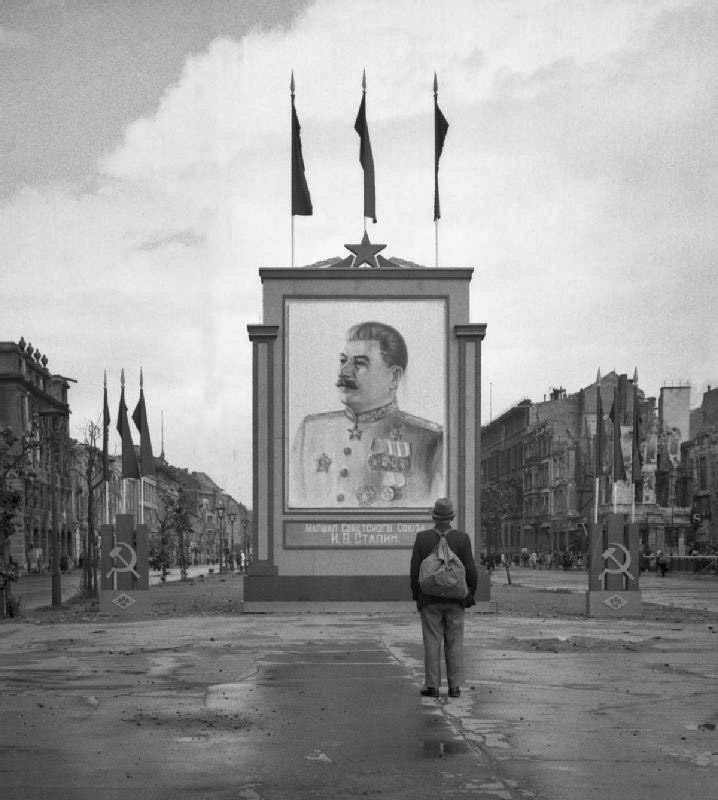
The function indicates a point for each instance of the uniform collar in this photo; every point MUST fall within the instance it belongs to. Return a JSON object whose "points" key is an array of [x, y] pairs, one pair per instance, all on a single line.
{"points": [[373, 414]]}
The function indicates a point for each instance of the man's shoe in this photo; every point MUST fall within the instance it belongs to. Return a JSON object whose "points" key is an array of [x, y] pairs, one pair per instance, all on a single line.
{"points": [[454, 692], [429, 692]]}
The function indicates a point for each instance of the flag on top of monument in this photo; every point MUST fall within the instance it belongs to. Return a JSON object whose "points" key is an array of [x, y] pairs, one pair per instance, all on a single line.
{"points": [[441, 126], [600, 443], [366, 159], [139, 417], [105, 435], [616, 416], [636, 461], [301, 199], [130, 468]]}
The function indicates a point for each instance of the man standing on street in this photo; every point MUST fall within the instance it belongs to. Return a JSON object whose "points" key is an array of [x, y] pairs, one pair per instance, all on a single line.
{"points": [[442, 620]]}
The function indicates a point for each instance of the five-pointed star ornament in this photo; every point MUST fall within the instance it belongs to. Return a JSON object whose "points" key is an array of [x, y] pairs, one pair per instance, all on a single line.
{"points": [[365, 253]]}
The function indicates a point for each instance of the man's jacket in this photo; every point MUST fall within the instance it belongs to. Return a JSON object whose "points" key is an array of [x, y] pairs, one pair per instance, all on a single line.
{"points": [[460, 543]]}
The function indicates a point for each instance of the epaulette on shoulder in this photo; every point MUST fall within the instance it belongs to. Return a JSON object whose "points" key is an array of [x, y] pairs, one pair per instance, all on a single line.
{"points": [[419, 422], [323, 416]]}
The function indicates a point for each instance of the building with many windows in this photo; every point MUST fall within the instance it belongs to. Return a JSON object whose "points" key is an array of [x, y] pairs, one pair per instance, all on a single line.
{"points": [[36, 457], [542, 487], [696, 477], [39, 461]]}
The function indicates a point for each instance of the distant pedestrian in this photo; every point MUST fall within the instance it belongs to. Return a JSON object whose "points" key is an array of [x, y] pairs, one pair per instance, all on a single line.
{"points": [[662, 563], [442, 620]]}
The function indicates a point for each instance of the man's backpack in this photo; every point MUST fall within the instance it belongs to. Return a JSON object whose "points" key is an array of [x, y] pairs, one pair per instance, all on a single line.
{"points": [[442, 574]]}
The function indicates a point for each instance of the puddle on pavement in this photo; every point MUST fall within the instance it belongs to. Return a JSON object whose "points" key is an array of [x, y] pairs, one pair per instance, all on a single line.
{"points": [[438, 749], [700, 726]]}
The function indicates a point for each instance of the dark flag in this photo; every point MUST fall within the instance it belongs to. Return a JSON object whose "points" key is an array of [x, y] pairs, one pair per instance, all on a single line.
{"points": [[636, 472], [105, 436], [616, 416], [600, 443], [130, 469], [441, 126], [139, 417], [366, 159], [301, 199]]}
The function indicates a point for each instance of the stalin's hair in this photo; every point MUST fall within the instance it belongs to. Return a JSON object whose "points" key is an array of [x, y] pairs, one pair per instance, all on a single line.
{"points": [[391, 343]]}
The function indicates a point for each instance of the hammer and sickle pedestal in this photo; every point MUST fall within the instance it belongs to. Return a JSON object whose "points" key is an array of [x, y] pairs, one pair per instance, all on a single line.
{"points": [[125, 571], [613, 569]]}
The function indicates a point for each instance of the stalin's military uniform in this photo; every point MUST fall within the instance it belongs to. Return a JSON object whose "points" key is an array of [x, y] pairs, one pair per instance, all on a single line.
{"points": [[381, 458]]}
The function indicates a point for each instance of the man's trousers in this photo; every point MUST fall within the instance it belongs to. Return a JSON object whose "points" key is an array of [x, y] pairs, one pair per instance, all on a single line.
{"points": [[443, 622]]}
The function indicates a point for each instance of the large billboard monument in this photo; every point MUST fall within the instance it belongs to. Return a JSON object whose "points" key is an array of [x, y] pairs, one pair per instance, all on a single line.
{"points": [[367, 408]]}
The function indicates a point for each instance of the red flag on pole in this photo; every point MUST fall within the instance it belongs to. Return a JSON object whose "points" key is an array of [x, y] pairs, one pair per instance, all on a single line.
{"points": [[616, 416], [105, 435], [636, 471], [130, 468], [600, 443], [441, 126], [139, 417], [301, 199], [366, 159]]}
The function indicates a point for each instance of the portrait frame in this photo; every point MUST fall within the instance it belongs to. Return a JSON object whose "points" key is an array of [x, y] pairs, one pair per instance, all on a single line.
{"points": [[315, 331]]}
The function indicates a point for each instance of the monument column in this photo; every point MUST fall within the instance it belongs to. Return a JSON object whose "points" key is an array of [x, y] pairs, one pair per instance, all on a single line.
{"points": [[467, 445], [263, 338]]}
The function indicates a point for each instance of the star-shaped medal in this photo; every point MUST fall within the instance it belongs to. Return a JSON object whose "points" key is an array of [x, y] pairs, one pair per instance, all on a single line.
{"points": [[323, 463], [365, 253]]}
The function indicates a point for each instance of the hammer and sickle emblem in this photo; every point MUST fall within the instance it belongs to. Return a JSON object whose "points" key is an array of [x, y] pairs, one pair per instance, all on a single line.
{"points": [[127, 566], [621, 566]]}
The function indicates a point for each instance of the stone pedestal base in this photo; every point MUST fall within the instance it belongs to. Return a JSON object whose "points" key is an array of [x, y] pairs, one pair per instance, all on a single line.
{"points": [[613, 604], [124, 603], [262, 591], [350, 607]]}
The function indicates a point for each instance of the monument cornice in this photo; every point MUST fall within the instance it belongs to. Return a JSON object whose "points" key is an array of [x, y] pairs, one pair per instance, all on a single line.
{"points": [[400, 273]]}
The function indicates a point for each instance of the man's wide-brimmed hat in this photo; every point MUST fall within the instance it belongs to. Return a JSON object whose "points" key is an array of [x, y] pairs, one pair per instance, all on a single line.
{"points": [[443, 509]]}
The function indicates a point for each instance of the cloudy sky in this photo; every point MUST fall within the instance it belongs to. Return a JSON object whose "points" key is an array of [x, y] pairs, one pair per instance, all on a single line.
{"points": [[144, 178]]}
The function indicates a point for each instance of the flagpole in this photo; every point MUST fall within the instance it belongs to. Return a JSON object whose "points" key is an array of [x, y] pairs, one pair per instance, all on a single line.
{"points": [[616, 429], [124, 480], [105, 423], [441, 128], [634, 439], [436, 176], [598, 448], [301, 200], [363, 94], [142, 477], [291, 210], [436, 243]]}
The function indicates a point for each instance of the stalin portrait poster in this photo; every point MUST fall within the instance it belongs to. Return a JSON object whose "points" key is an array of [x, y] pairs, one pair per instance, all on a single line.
{"points": [[366, 403]]}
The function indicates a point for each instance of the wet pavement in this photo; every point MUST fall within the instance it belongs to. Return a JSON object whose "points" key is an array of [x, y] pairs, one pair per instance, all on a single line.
{"points": [[676, 589], [35, 591], [271, 706]]}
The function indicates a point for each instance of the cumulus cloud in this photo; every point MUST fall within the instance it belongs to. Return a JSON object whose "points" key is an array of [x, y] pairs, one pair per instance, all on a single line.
{"points": [[578, 177], [15, 38]]}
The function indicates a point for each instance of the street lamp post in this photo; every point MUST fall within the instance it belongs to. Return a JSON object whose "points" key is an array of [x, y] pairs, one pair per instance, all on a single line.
{"points": [[220, 517], [232, 517]]}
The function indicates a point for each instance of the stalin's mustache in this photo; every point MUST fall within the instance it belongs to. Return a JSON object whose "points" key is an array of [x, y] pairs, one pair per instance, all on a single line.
{"points": [[345, 382]]}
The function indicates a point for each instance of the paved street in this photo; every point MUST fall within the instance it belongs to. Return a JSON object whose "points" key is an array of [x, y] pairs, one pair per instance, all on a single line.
{"points": [[269, 706], [36, 590], [679, 589]]}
